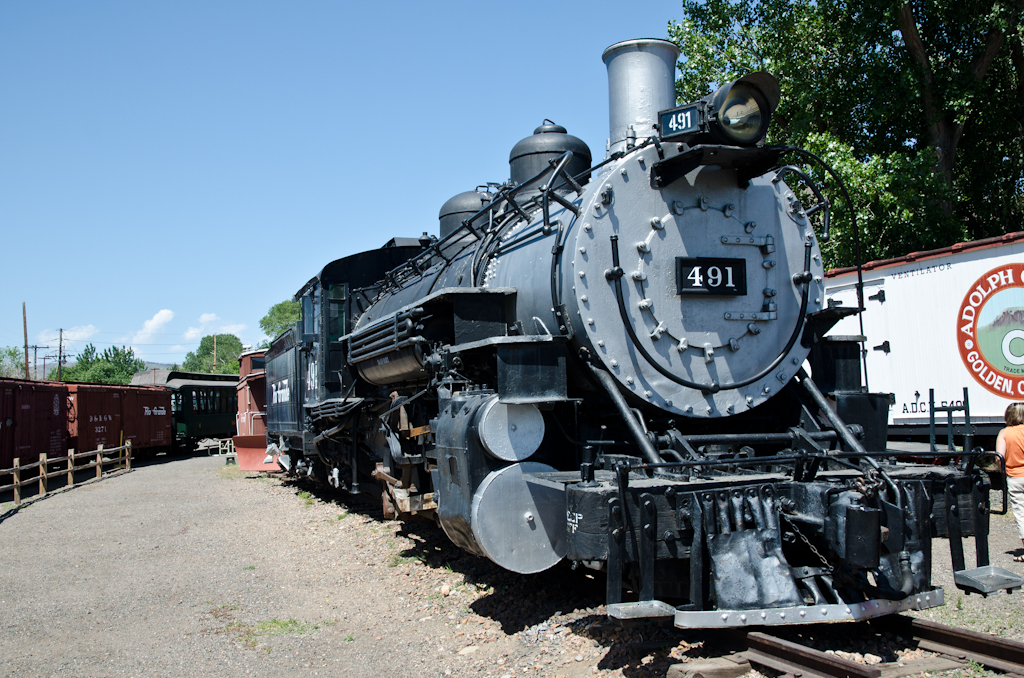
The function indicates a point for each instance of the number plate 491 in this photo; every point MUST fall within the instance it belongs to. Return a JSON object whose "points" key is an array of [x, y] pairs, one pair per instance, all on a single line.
{"points": [[706, 275]]}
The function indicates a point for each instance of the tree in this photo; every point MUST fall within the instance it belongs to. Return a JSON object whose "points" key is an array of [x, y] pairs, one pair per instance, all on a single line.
{"points": [[919, 106], [228, 348], [280, 317], [12, 362], [114, 366]]}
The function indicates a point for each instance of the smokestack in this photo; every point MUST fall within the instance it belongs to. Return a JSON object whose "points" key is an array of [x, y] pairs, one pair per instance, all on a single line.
{"points": [[641, 82]]}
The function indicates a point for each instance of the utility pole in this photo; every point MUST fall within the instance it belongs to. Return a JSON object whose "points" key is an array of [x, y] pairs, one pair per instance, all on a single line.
{"points": [[60, 355], [214, 353], [35, 361], [24, 321]]}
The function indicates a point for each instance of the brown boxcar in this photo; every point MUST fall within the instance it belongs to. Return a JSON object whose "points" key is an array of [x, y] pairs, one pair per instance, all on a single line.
{"points": [[146, 417], [94, 416], [33, 421], [111, 414]]}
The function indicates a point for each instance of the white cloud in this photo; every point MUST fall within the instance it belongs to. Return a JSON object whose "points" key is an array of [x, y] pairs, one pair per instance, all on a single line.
{"points": [[207, 325], [178, 348], [152, 327], [79, 333]]}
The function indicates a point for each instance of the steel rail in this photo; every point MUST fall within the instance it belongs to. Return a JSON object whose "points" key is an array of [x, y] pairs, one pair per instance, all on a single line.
{"points": [[999, 654], [799, 660]]}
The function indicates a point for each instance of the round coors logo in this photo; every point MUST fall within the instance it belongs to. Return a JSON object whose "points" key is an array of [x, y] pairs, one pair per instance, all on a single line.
{"points": [[991, 331]]}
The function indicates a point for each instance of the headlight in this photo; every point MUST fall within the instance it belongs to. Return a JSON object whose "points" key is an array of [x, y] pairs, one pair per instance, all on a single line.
{"points": [[742, 116], [737, 114], [740, 110]]}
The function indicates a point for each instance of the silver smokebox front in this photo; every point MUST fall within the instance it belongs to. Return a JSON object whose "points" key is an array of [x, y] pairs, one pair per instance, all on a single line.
{"points": [[641, 82]]}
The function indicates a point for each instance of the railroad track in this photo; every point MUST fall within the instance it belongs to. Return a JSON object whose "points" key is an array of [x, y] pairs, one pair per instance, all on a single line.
{"points": [[954, 648]]}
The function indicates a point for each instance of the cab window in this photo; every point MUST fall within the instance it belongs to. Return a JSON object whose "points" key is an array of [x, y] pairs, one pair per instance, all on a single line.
{"points": [[336, 312]]}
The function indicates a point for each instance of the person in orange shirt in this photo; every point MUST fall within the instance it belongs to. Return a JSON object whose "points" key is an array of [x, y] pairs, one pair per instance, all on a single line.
{"points": [[1010, 446]]}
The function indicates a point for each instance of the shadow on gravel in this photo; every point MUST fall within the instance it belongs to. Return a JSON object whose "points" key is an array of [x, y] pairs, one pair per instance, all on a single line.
{"points": [[537, 607], [515, 601]]}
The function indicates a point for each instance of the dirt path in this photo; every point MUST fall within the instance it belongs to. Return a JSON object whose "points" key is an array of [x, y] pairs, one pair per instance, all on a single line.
{"points": [[193, 568]]}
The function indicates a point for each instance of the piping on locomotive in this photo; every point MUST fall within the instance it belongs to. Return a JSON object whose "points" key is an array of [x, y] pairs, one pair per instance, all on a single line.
{"points": [[603, 364]]}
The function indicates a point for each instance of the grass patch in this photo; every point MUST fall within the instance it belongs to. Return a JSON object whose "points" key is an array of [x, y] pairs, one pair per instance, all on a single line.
{"points": [[308, 498], [349, 638], [231, 472], [249, 567], [342, 515], [250, 634]]}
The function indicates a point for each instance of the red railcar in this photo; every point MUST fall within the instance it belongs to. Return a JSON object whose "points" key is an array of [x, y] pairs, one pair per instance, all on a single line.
{"points": [[111, 414], [146, 417], [251, 441], [33, 421]]}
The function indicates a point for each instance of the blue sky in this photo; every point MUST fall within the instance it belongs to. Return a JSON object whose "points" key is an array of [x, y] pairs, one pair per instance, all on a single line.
{"points": [[173, 169]]}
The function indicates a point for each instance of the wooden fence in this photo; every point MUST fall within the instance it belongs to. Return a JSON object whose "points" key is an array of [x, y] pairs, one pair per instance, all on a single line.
{"points": [[99, 459]]}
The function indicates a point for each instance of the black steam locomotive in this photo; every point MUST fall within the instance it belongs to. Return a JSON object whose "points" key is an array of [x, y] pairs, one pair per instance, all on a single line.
{"points": [[605, 363]]}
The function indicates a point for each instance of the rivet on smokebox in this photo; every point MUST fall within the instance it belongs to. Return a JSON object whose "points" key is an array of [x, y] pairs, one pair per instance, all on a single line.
{"points": [[656, 221]]}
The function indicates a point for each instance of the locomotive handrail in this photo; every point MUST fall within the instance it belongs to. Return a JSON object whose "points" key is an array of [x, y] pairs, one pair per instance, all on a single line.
{"points": [[856, 241], [508, 195]]}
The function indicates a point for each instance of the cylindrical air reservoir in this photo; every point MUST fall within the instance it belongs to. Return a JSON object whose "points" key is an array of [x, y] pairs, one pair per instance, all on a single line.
{"points": [[532, 155], [641, 82], [461, 207]]}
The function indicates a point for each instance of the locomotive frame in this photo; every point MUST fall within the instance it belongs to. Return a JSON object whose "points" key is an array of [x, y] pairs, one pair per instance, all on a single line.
{"points": [[545, 383]]}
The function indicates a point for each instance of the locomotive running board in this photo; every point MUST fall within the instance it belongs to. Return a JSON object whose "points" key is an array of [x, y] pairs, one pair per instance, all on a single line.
{"points": [[776, 616]]}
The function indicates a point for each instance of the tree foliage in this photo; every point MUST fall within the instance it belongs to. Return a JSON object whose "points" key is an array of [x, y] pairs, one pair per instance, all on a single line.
{"points": [[919, 106], [228, 348], [280, 317], [114, 366], [12, 362]]}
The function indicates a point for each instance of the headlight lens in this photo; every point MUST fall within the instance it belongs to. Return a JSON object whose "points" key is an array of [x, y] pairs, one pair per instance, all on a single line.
{"points": [[742, 117]]}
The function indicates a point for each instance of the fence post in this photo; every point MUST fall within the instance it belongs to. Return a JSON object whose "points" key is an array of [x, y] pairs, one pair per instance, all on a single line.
{"points": [[128, 456], [99, 461], [71, 467], [42, 474], [17, 482]]}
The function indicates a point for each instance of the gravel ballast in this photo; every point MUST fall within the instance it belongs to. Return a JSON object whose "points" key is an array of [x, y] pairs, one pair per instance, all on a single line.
{"points": [[191, 567]]}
